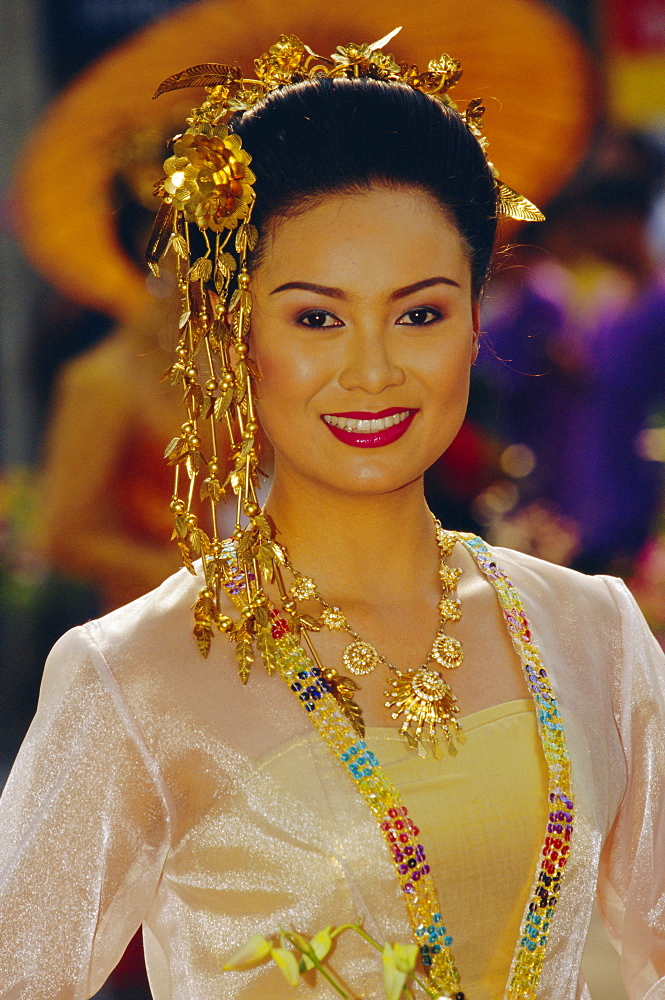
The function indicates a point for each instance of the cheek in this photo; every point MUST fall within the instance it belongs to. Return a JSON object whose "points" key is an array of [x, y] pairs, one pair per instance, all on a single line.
{"points": [[447, 374], [287, 373]]}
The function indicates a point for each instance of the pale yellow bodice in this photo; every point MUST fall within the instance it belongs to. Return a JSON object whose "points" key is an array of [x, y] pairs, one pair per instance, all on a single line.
{"points": [[481, 816]]}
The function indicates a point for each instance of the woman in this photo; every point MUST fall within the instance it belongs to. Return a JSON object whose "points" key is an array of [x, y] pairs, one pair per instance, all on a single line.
{"points": [[199, 795]]}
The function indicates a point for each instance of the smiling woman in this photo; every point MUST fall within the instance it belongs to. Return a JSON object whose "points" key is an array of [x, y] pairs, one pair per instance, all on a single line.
{"points": [[411, 744]]}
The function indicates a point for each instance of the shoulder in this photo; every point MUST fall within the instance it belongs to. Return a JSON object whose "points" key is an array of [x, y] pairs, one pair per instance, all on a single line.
{"points": [[593, 616], [153, 637], [567, 609], [550, 582]]}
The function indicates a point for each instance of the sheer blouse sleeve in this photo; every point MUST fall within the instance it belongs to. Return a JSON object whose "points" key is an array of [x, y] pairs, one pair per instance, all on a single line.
{"points": [[83, 833], [631, 888]]}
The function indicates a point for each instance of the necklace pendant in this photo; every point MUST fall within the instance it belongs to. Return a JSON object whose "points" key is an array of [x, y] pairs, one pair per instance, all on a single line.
{"points": [[333, 618], [303, 589], [450, 610], [447, 651], [360, 658], [425, 702]]}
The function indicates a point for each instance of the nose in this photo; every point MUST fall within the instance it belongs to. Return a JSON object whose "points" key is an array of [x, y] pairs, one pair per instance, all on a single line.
{"points": [[369, 363]]}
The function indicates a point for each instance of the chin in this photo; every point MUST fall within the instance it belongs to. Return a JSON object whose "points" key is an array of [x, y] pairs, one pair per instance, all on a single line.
{"points": [[366, 482]]}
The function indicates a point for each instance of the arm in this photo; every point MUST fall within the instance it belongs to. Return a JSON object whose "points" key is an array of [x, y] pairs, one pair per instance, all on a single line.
{"points": [[631, 888], [83, 833]]}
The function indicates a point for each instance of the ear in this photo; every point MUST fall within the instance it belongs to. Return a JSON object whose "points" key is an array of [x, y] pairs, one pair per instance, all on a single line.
{"points": [[475, 318]]}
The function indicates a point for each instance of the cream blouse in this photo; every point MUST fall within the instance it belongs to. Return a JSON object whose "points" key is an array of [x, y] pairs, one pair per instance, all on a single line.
{"points": [[154, 788]]}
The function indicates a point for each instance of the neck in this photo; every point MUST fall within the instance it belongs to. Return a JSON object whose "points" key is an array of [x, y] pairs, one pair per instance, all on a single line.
{"points": [[357, 545]]}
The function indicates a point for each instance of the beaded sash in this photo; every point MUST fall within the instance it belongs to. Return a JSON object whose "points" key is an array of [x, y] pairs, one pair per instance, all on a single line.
{"points": [[398, 829]]}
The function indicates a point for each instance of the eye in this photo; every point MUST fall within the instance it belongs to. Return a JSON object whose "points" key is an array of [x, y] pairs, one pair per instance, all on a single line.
{"points": [[420, 316], [319, 319]]}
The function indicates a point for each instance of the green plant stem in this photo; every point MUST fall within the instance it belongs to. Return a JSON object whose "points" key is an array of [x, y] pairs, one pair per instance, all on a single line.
{"points": [[309, 953], [370, 940], [317, 963]]}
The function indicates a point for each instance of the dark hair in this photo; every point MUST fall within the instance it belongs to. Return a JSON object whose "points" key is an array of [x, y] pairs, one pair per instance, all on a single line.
{"points": [[324, 136]]}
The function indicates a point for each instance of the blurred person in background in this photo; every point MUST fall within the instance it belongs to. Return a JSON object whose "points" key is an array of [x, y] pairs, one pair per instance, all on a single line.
{"points": [[576, 348]]}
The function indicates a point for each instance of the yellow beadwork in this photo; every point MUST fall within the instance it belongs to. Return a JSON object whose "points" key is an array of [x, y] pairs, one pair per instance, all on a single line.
{"points": [[308, 683]]}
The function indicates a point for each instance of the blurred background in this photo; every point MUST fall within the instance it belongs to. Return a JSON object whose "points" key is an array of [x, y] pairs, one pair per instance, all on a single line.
{"points": [[563, 451]]}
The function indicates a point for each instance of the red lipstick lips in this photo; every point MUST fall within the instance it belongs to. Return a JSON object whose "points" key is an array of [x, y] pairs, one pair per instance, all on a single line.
{"points": [[370, 438]]}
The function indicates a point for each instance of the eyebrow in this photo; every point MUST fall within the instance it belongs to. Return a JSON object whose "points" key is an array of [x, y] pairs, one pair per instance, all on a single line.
{"points": [[337, 293]]}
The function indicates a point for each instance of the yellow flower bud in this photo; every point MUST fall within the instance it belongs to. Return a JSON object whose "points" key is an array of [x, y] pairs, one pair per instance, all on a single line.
{"points": [[405, 956], [321, 943], [252, 951], [287, 963], [398, 960]]}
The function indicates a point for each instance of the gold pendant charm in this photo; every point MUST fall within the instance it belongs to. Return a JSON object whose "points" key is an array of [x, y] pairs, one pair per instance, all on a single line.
{"points": [[333, 618], [450, 611], [303, 589], [360, 658], [447, 651], [425, 700]]}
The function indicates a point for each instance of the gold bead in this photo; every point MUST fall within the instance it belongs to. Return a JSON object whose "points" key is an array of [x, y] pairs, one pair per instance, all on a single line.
{"points": [[244, 280], [211, 385], [224, 623], [251, 509]]}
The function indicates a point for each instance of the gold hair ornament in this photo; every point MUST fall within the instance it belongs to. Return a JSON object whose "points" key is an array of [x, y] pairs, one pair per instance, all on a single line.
{"points": [[207, 197]]}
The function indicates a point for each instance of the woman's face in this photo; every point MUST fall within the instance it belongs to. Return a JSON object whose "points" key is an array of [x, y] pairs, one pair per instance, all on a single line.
{"points": [[363, 331]]}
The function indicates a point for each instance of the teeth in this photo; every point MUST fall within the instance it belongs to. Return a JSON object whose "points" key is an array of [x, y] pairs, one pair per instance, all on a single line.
{"points": [[365, 426]]}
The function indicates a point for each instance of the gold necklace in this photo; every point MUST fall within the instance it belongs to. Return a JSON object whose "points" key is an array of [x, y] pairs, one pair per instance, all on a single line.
{"points": [[421, 696]]}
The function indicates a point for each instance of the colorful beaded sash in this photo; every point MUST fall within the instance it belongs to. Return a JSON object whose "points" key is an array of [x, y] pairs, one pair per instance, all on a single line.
{"points": [[399, 831]]}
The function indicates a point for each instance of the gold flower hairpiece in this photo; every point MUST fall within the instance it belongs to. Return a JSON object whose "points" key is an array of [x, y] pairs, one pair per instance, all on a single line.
{"points": [[208, 189], [291, 61]]}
